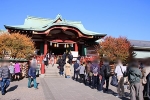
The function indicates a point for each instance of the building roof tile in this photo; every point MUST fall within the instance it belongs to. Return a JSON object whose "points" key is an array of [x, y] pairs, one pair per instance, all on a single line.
{"points": [[139, 43], [42, 24]]}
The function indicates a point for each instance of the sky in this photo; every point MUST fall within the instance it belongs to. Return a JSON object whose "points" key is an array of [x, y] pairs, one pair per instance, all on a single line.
{"points": [[128, 18]]}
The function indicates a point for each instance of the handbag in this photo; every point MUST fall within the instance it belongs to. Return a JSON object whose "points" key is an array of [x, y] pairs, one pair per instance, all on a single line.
{"points": [[124, 73], [58, 67], [114, 81]]}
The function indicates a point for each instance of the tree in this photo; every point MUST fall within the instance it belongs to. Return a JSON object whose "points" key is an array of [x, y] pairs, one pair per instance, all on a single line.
{"points": [[116, 48], [19, 46]]}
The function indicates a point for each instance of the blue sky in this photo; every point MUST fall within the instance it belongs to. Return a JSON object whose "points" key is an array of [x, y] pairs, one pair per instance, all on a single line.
{"points": [[130, 18]]}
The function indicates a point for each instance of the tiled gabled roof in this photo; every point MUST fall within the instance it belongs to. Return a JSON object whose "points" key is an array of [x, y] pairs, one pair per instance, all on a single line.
{"points": [[139, 43], [42, 24]]}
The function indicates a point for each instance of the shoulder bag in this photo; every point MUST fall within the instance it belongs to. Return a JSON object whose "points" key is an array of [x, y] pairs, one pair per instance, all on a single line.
{"points": [[124, 73]]}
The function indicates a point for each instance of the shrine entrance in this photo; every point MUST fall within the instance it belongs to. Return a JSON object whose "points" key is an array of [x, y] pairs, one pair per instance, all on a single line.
{"points": [[58, 47]]}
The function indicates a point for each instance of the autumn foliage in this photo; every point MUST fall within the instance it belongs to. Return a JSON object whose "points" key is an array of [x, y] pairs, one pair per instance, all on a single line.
{"points": [[116, 48], [19, 46]]}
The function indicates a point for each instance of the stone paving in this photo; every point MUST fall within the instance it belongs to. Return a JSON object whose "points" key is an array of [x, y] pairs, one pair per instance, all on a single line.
{"points": [[56, 89], [67, 89], [18, 91]]}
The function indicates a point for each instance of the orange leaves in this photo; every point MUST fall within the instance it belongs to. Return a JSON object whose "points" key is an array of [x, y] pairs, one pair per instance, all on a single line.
{"points": [[20, 45], [115, 48]]}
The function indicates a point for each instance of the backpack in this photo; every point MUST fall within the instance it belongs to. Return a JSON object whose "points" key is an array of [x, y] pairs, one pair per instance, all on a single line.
{"points": [[107, 70]]}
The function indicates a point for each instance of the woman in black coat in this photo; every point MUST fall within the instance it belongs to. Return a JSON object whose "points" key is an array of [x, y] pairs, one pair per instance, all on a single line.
{"points": [[61, 64]]}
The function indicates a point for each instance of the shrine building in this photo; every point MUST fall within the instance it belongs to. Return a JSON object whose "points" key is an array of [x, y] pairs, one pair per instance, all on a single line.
{"points": [[57, 35]]}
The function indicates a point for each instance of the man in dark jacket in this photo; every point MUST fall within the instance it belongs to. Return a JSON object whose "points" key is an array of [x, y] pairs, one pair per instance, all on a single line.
{"points": [[105, 73], [70, 58], [32, 77], [4, 77], [64, 57], [134, 77], [76, 73]]}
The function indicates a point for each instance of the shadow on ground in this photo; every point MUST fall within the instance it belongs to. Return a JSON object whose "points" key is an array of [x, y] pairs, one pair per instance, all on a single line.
{"points": [[12, 88], [111, 92]]}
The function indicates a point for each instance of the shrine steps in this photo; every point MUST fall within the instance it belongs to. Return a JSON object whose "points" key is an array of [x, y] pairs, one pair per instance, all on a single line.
{"points": [[52, 72]]}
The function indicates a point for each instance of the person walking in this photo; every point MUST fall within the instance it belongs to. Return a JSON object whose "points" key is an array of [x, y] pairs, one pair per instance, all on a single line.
{"points": [[120, 69], [46, 61], [81, 70], [17, 71], [105, 74], [76, 73], [11, 69], [32, 76], [4, 77], [134, 77]]}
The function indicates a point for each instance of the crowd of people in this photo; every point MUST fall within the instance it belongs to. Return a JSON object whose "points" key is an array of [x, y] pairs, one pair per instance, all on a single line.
{"points": [[94, 74], [10, 72]]}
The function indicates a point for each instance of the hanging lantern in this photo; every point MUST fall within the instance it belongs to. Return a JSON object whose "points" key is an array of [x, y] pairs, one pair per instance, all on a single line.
{"points": [[71, 45], [50, 43], [65, 45], [55, 45]]}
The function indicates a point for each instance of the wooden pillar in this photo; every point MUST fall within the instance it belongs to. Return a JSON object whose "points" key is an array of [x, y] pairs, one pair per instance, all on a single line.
{"points": [[45, 47], [76, 47], [42, 65], [42, 57]]}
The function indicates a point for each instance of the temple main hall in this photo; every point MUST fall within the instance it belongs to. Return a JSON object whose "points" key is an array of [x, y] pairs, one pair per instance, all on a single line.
{"points": [[57, 35]]}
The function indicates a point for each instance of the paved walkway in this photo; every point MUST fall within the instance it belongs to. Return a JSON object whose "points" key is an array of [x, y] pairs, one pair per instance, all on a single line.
{"points": [[56, 89], [19, 91]]}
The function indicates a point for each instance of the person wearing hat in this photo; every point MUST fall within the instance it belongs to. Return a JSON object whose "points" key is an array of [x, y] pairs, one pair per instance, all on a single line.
{"points": [[4, 76]]}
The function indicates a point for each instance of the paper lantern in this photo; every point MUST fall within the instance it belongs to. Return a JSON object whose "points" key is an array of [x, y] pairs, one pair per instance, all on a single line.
{"points": [[55, 45], [71, 45], [50, 43], [65, 45]]}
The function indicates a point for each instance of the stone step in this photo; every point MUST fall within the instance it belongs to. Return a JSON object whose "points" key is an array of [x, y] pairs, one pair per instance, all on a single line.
{"points": [[51, 76], [51, 71]]}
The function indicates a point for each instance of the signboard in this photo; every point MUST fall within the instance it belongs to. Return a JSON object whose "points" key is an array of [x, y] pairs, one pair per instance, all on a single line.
{"points": [[75, 55]]}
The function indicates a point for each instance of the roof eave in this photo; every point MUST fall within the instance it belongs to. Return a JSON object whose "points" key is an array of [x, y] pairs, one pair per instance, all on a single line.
{"points": [[49, 26], [138, 47]]}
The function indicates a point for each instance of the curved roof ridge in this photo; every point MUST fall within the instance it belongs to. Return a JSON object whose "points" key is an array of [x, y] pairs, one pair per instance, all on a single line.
{"points": [[40, 18], [79, 22]]}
